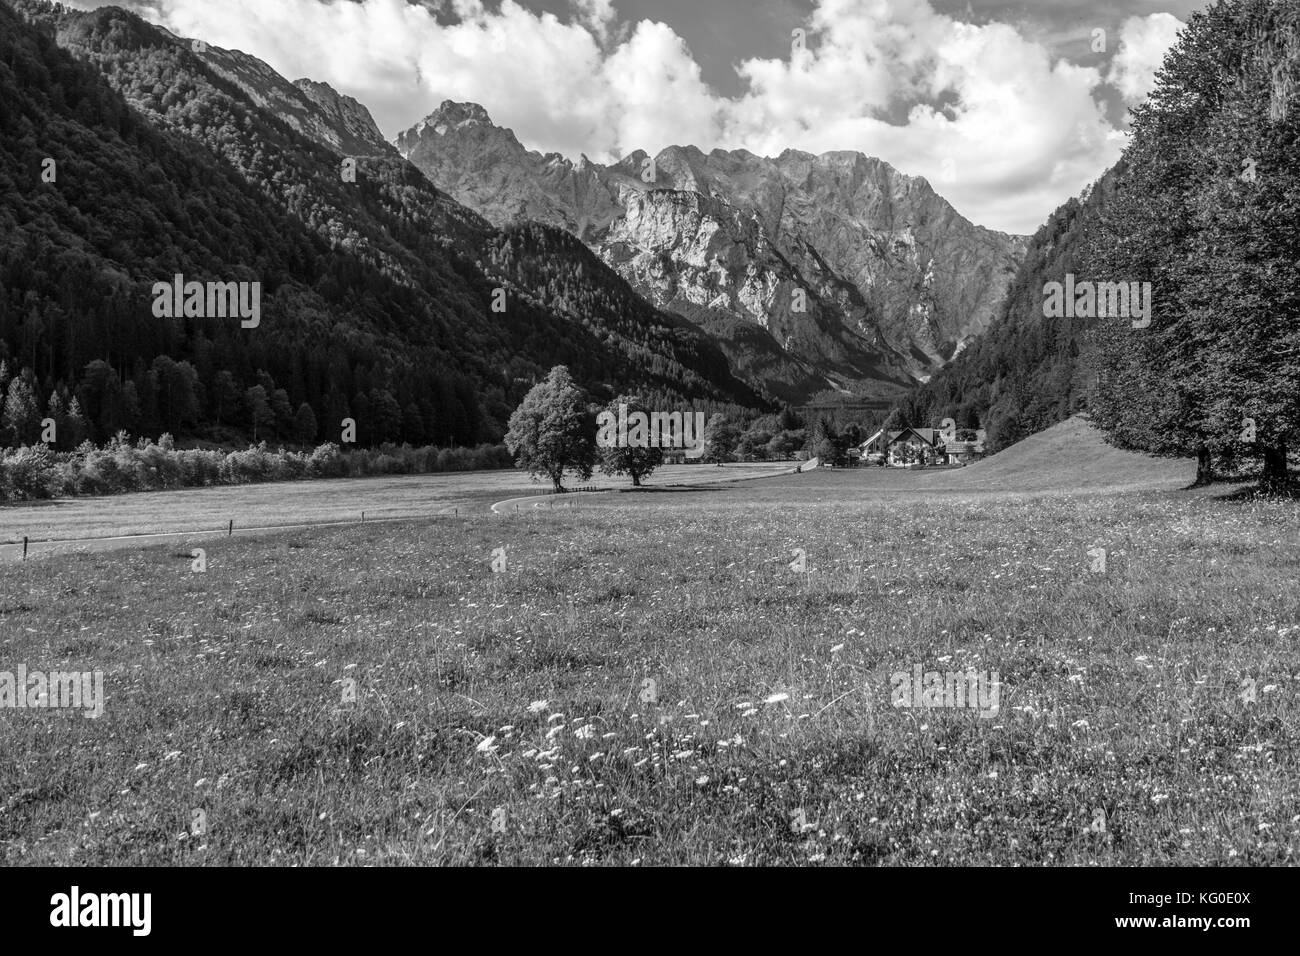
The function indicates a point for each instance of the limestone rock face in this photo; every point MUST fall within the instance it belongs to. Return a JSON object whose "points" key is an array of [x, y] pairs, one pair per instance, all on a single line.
{"points": [[862, 278], [349, 120]]}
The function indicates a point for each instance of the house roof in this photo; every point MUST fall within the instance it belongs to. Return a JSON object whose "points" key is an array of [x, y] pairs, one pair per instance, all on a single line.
{"points": [[872, 440], [927, 435]]}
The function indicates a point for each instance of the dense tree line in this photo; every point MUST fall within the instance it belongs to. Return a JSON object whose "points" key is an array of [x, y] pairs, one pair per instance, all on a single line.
{"points": [[1207, 209]]}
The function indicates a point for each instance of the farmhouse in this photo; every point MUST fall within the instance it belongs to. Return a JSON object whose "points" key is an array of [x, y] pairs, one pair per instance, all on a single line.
{"points": [[908, 446], [917, 447]]}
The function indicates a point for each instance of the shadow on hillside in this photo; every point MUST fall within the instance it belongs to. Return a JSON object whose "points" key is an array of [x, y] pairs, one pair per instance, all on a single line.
{"points": [[665, 489], [1253, 492], [39, 503]]}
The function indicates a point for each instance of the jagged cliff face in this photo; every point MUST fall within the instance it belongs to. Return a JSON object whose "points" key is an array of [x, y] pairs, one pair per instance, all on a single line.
{"points": [[316, 110], [934, 279], [348, 125], [704, 258], [896, 280]]}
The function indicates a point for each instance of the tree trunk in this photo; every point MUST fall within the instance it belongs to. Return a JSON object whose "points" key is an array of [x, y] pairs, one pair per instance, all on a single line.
{"points": [[555, 480], [1274, 479], [1204, 467], [636, 480]]}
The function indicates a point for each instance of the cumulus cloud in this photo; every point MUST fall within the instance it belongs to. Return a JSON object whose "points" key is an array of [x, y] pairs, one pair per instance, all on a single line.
{"points": [[1000, 127], [1143, 44]]}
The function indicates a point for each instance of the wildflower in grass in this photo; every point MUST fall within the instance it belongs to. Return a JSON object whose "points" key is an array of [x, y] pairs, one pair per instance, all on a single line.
{"points": [[584, 732], [487, 745], [750, 713], [776, 698], [701, 780], [537, 706]]}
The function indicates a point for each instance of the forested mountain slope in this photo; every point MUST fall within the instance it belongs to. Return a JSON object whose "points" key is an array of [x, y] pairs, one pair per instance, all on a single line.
{"points": [[376, 297]]}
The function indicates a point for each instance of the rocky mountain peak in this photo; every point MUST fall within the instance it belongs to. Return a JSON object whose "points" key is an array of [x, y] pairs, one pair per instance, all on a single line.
{"points": [[451, 115]]}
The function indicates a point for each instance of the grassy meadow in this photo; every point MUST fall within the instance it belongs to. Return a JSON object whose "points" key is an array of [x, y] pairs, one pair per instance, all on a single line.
{"points": [[657, 685], [291, 503]]}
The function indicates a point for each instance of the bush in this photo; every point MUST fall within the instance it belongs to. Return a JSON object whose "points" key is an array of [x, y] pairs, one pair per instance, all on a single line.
{"points": [[28, 473], [119, 466]]}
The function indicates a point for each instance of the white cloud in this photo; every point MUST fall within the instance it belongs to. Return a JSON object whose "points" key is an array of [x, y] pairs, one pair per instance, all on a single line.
{"points": [[599, 15], [1022, 133], [1143, 44]]}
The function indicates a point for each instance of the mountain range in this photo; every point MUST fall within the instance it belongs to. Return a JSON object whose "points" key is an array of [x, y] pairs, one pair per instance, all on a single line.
{"points": [[895, 281]]}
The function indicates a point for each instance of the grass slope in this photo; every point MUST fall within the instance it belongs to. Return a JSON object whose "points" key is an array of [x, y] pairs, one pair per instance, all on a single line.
{"points": [[1073, 456]]}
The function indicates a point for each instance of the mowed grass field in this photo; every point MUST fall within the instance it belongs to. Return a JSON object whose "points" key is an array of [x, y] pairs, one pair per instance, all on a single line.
{"points": [[301, 502], [656, 685]]}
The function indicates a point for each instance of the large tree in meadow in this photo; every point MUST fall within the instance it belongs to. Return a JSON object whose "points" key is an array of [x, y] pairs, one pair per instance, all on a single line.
{"points": [[635, 461], [721, 437], [1206, 209], [551, 431]]}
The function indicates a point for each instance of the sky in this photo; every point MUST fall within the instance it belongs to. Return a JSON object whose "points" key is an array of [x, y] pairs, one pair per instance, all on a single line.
{"points": [[1008, 109]]}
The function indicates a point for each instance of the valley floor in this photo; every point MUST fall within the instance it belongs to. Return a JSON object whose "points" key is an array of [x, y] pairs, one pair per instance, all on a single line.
{"points": [[649, 678]]}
